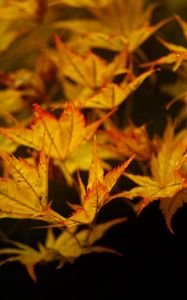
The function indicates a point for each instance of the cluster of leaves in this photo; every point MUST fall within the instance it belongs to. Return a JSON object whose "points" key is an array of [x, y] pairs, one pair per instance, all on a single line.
{"points": [[68, 69]]}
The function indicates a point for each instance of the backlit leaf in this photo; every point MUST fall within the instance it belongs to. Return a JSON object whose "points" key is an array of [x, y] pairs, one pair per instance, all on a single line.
{"points": [[26, 255], [177, 56], [114, 31], [66, 247], [58, 137], [88, 70], [112, 95], [97, 192], [166, 178], [24, 193], [127, 141]]}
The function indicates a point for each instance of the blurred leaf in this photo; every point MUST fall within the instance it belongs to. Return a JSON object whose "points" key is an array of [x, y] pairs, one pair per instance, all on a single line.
{"points": [[114, 31], [7, 145], [112, 95], [65, 248], [81, 3], [128, 141], [11, 100], [183, 25]]}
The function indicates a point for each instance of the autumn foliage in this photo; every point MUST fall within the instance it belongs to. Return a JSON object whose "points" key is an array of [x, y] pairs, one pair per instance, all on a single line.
{"points": [[69, 73]]}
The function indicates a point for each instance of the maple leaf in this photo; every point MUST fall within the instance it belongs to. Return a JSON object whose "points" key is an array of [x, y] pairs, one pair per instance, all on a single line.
{"points": [[81, 158], [88, 70], [26, 255], [58, 137], [112, 95], [127, 141], [72, 243], [94, 78], [96, 195], [24, 193], [118, 41], [66, 247], [177, 56], [178, 53], [167, 178], [63, 139], [114, 31]]}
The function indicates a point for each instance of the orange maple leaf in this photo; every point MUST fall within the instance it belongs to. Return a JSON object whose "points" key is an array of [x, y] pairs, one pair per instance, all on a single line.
{"points": [[58, 137], [167, 180], [24, 192], [96, 195]]}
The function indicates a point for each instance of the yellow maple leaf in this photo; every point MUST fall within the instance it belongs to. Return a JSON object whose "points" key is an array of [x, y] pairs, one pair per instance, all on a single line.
{"points": [[127, 141], [112, 95], [96, 195], [177, 55], [167, 178], [109, 95], [92, 77], [87, 70], [24, 193], [120, 24], [63, 139], [58, 137], [26, 255], [66, 247]]}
